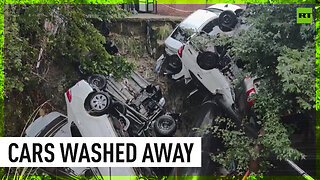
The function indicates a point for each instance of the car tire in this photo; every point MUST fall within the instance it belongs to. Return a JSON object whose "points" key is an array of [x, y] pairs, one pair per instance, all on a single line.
{"points": [[227, 20], [165, 126], [97, 81], [208, 60], [99, 103], [174, 64]]}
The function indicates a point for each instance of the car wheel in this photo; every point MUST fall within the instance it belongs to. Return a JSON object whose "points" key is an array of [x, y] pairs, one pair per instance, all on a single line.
{"points": [[97, 81], [227, 20], [165, 126], [99, 103], [208, 60], [174, 64]]}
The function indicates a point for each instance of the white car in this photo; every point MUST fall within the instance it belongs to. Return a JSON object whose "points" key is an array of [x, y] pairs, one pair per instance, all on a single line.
{"points": [[213, 71], [132, 107], [210, 68], [200, 20], [78, 123]]}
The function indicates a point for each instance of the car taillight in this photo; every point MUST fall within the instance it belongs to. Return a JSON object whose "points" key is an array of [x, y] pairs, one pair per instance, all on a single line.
{"points": [[69, 95], [180, 51], [250, 92]]}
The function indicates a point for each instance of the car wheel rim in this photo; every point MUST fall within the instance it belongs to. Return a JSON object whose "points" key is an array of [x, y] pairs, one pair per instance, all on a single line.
{"points": [[99, 102], [226, 19], [165, 124], [96, 82]]}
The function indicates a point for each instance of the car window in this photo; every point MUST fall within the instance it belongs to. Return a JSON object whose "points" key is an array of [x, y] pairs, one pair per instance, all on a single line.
{"points": [[208, 27], [182, 34]]}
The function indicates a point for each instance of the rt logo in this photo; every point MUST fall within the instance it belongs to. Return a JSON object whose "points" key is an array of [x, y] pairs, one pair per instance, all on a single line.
{"points": [[304, 15]]}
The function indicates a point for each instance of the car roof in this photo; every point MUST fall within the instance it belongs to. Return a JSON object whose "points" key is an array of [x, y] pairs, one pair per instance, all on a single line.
{"points": [[197, 19], [225, 6]]}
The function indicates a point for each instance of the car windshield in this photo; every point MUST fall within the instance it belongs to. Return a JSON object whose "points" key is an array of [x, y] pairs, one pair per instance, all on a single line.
{"points": [[182, 34]]}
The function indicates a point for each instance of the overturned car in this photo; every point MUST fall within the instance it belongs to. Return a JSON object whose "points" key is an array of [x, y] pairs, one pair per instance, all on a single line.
{"points": [[103, 107], [211, 70], [135, 103]]}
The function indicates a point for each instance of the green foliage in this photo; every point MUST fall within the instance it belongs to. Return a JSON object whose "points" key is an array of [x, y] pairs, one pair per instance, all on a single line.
{"points": [[76, 40], [63, 36], [1, 118], [1, 67], [282, 53], [162, 32], [118, 65], [318, 81], [79, 41], [317, 59], [237, 144], [1, 76], [130, 46], [275, 137], [296, 69], [15, 68], [64, 1], [160, 2]]}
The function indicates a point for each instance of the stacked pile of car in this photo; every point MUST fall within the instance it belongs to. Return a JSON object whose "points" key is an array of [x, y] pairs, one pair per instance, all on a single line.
{"points": [[104, 107]]}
